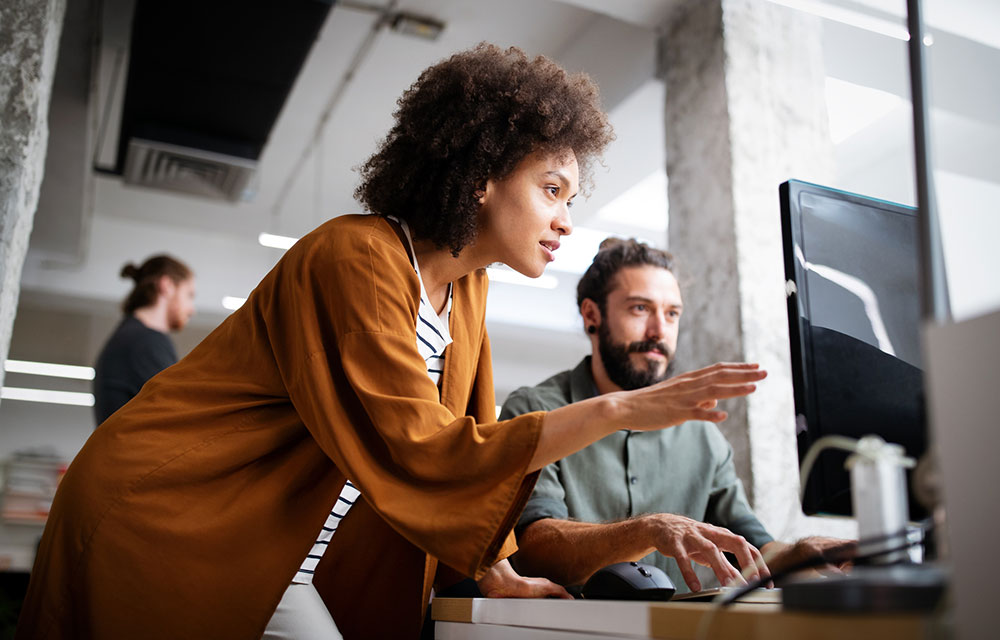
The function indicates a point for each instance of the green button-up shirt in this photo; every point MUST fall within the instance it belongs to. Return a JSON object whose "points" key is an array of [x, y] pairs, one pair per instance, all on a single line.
{"points": [[686, 470]]}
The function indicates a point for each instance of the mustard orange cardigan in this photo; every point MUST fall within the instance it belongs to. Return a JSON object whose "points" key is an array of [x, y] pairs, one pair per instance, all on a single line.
{"points": [[187, 513]]}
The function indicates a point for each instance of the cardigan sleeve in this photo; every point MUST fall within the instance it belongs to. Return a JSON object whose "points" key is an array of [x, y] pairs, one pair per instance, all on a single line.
{"points": [[341, 321]]}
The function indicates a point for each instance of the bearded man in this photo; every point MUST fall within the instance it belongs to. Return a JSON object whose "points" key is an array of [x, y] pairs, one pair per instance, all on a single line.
{"points": [[670, 498]]}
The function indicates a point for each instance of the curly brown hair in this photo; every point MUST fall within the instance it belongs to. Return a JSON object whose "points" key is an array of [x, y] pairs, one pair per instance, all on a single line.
{"points": [[472, 118]]}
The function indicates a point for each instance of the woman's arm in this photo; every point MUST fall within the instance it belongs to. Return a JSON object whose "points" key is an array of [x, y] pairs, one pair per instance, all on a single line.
{"points": [[689, 396]]}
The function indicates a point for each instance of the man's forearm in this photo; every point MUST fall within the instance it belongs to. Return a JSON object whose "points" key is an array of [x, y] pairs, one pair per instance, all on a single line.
{"points": [[569, 552]]}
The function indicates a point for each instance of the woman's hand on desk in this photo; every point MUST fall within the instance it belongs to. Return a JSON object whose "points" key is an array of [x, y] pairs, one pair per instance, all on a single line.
{"points": [[501, 581]]}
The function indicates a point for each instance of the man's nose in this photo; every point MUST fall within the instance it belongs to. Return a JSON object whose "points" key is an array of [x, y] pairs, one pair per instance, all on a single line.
{"points": [[656, 328]]}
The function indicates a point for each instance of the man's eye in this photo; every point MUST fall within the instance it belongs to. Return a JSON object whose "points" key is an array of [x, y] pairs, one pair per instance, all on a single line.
{"points": [[553, 190]]}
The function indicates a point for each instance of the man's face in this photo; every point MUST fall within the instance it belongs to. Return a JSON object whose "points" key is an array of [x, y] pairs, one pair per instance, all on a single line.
{"points": [[180, 304], [637, 337]]}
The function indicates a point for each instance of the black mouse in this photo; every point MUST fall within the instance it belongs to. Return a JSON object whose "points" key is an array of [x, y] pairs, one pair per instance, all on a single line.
{"points": [[629, 581]]}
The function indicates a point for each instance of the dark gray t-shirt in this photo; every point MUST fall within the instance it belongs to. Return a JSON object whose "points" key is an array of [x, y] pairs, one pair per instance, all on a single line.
{"points": [[686, 470], [132, 355]]}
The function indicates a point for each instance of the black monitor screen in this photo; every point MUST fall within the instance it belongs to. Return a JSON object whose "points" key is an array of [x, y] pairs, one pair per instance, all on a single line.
{"points": [[854, 320]]}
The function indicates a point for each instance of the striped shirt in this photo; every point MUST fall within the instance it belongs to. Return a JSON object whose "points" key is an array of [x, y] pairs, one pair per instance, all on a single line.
{"points": [[432, 339]]}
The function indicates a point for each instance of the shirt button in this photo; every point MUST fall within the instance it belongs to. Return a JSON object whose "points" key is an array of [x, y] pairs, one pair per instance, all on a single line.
{"points": [[633, 479]]}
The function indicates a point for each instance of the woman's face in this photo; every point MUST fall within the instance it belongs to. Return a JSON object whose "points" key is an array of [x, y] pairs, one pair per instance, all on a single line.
{"points": [[523, 215]]}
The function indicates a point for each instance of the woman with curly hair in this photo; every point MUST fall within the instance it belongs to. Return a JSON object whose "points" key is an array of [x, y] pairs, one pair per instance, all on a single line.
{"points": [[316, 460]]}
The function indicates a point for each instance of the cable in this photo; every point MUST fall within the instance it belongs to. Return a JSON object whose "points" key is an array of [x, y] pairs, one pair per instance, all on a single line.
{"points": [[826, 442], [359, 57], [834, 555]]}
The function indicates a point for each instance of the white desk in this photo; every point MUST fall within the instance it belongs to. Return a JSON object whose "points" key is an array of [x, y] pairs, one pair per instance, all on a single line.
{"points": [[512, 619]]}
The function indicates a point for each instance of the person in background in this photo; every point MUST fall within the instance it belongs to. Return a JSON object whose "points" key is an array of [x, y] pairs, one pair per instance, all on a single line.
{"points": [[161, 301], [303, 471], [670, 498]]}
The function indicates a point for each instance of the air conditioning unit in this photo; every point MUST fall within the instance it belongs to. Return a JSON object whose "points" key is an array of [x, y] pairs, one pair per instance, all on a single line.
{"points": [[160, 165]]}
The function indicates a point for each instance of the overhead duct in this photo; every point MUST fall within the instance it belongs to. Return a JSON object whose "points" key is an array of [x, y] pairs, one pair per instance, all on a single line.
{"points": [[160, 165], [206, 83]]}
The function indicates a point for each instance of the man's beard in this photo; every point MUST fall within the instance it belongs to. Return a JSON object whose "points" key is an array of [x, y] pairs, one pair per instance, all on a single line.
{"points": [[619, 366]]}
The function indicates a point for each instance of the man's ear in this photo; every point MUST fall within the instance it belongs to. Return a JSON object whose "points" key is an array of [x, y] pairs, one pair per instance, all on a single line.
{"points": [[591, 315], [165, 286]]}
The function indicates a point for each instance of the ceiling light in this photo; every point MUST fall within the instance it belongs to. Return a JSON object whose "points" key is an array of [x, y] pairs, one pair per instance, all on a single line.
{"points": [[276, 242], [47, 396], [414, 25], [50, 369], [233, 303], [848, 17], [509, 276]]}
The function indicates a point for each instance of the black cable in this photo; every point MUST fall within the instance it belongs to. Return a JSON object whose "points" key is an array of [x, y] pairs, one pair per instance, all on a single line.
{"points": [[833, 555]]}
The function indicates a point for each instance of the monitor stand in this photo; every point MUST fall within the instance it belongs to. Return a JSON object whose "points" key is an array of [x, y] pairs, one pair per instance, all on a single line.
{"points": [[869, 589]]}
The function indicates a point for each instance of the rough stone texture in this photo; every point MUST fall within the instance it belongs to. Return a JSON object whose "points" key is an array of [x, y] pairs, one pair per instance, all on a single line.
{"points": [[745, 111], [29, 43]]}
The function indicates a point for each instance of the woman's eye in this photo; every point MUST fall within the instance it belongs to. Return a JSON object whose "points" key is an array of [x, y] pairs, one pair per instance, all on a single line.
{"points": [[553, 190]]}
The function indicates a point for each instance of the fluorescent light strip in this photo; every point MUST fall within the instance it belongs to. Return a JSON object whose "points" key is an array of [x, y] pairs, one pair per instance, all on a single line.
{"points": [[848, 17], [509, 276], [50, 369], [233, 303], [276, 242], [50, 397]]}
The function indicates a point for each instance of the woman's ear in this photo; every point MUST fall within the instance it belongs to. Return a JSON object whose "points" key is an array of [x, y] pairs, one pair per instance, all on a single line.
{"points": [[483, 192]]}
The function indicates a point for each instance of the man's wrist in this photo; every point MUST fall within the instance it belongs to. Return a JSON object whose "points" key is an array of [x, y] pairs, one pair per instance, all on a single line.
{"points": [[643, 532]]}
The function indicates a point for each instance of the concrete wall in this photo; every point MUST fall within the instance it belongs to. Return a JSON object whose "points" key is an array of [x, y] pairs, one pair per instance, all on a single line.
{"points": [[745, 110], [29, 37]]}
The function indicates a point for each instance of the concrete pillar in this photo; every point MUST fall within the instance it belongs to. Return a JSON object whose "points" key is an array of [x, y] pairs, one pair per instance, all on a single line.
{"points": [[29, 42], [745, 110]]}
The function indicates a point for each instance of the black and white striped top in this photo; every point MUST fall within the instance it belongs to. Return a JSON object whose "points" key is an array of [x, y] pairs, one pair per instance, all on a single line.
{"points": [[432, 339]]}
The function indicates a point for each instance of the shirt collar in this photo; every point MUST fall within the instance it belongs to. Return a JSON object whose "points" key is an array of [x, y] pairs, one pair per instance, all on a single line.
{"points": [[581, 382]]}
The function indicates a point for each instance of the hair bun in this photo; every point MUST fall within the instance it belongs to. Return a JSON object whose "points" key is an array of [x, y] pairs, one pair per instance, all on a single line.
{"points": [[130, 271], [613, 241]]}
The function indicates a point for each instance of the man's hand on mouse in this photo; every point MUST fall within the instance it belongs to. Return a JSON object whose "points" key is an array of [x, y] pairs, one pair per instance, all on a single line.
{"points": [[688, 540], [501, 581]]}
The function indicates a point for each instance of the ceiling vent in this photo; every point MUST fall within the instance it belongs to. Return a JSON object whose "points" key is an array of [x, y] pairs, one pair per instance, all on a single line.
{"points": [[160, 165]]}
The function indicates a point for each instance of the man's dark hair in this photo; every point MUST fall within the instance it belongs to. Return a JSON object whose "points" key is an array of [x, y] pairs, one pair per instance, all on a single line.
{"points": [[614, 255], [472, 118], [147, 277]]}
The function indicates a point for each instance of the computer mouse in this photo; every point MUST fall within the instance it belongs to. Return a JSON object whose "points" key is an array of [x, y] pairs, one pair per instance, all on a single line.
{"points": [[629, 581]]}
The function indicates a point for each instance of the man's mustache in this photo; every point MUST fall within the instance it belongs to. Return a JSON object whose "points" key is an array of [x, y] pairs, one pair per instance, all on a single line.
{"points": [[650, 345]]}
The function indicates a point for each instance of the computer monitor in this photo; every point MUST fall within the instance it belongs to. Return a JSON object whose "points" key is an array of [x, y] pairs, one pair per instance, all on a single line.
{"points": [[851, 264]]}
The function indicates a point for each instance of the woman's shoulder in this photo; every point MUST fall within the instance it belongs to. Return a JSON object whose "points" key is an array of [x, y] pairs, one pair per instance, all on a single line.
{"points": [[352, 241], [358, 231]]}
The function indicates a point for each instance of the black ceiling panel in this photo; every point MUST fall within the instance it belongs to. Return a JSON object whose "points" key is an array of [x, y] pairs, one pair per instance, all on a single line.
{"points": [[214, 74]]}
